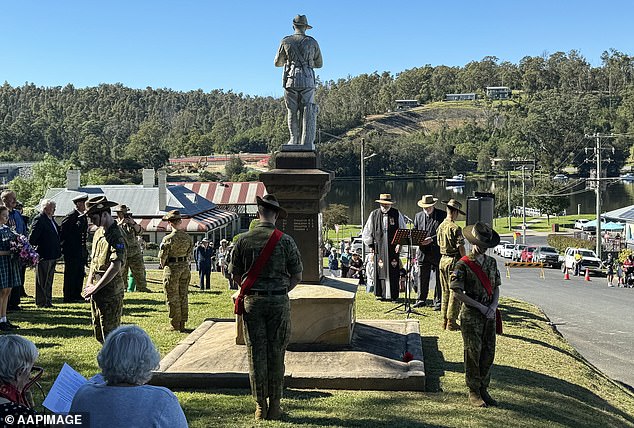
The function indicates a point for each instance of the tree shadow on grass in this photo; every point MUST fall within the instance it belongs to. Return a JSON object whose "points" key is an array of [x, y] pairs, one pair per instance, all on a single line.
{"points": [[550, 399], [521, 317]]}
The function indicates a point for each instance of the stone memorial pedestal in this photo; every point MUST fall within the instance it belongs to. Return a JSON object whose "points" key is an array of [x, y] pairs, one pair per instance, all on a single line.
{"points": [[319, 313], [300, 187]]}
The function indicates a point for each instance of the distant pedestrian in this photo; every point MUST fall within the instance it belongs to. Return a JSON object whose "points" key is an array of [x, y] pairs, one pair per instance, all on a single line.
{"points": [[609, 264], [203, 254], [333, 263]]}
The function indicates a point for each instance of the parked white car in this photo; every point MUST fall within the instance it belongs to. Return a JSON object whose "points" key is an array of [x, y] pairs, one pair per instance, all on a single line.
{"points": [[499, 247], [507, 251], [580, 223], [588, 260]]}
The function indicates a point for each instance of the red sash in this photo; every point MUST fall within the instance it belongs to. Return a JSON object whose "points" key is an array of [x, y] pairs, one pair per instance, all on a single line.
{"points": [[255, 270], [486, 283]]}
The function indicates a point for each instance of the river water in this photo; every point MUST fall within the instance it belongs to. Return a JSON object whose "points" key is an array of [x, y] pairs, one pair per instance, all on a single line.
{"points": [[407, 192]]}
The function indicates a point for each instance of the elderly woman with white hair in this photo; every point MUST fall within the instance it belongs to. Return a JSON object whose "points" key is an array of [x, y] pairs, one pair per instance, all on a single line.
{"points": [[17, 356], [127, 359]]}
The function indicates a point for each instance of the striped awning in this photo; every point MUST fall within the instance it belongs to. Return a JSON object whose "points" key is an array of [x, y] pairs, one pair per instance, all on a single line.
{"points": [[229, 193], [203, 222]]}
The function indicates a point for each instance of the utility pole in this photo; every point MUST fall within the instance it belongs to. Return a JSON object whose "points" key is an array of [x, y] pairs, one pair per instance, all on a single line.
{"points": [[523, 206], [597, 155], [508, 194]]}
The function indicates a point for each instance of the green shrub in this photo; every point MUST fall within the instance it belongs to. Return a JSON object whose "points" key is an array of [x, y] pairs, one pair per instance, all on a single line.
{"points": [[562, 242]]}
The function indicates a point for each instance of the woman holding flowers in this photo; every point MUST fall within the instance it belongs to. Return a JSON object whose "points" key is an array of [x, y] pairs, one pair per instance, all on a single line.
{"points": [[9, 269]]}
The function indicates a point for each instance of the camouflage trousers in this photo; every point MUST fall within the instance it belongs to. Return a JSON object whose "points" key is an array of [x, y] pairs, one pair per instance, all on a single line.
{"points": [[267, 330], [176, 283], [106, 307], [478, 335], [450, 306], [135, 264]]}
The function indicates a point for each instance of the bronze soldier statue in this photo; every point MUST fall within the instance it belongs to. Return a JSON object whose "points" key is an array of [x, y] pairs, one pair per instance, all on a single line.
{"points": [[299, 54]]}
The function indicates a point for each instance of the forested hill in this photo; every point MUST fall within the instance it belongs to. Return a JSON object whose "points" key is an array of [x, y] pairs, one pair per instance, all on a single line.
{"points": [[559, 99]]}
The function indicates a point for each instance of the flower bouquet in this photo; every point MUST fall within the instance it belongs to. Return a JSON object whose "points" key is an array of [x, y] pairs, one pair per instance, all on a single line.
{"points": [[25, 253]]}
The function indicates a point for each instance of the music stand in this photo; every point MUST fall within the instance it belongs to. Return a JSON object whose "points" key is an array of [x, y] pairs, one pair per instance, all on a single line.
{"points": [[408, 237]]}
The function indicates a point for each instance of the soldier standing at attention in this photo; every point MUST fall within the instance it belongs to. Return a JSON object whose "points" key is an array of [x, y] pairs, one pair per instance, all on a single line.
{"points": [[134, 256], [451, 243], [104, 286], [174, 254], [476, 282], [266, 313]]}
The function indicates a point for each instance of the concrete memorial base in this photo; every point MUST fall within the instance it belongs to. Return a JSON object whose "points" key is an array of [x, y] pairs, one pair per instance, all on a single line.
{"points": [[321, 313], [210, 358]]}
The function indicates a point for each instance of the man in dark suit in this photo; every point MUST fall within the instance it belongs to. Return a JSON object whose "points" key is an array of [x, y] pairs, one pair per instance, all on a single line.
{"points": [[45, 238], [72, 236], [429, 253]]}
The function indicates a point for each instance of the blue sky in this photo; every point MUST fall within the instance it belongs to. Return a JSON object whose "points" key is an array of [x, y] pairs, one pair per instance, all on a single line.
{"points": [[188, 45]]}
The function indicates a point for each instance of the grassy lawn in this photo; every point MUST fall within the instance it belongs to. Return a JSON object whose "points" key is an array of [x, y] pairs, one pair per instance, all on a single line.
{"points": [[540, 380]]}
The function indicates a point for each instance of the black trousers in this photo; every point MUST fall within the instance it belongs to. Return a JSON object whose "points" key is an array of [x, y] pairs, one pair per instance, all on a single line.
{"points": [[74, 272], [425, 270]]}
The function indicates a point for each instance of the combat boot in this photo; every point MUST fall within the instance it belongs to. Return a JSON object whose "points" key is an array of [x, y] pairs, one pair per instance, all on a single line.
{"points": [[182, 326], [261, 410], [475, 399], [487, 398], [452, 325], [275, 411]]}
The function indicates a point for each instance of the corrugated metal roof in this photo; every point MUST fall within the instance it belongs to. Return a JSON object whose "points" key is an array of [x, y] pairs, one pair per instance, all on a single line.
{"points": [[228, 193], [209, 220], [143, 201], [625, 213]]}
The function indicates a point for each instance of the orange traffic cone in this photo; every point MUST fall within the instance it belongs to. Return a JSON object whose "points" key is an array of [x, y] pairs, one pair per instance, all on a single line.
{"points": [[587, 278], [566, 274]]}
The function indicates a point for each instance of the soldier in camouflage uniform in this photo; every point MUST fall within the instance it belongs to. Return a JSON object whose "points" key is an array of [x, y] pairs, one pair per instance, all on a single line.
{"points": [[451, 243], [134, 257], [174, 254], [267, 307], [104, 286], [477, 316]]}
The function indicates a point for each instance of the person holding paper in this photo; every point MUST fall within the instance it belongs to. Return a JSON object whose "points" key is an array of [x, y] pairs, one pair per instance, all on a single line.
{"points": [[17, 356], [126, 360]]}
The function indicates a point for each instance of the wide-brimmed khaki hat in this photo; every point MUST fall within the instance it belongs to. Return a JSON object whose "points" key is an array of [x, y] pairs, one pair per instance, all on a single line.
{"points": [[97, 204], [455, 205], [482, 235], [270, 201], [301, 20], [427, 201], [172, 216], [385, 198], [123, 208]]}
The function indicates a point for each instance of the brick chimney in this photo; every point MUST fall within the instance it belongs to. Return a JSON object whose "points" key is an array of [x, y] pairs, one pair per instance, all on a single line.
{"points": [[148, 177], [162, 189], [73, 177]]}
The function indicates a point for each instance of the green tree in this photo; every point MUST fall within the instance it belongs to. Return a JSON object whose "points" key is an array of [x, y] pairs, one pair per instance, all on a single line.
{"points": [[146, 145], [234, 167], [334, 214], [546, 196], [48, 173]]}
